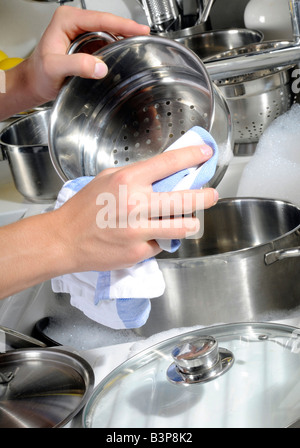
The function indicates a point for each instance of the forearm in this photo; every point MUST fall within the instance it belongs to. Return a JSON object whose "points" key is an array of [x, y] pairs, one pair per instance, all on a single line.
{"points": [[30, 253]]}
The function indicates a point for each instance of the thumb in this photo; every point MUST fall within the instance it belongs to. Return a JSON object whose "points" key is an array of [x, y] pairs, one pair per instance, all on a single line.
{"points": [[79, 64]]}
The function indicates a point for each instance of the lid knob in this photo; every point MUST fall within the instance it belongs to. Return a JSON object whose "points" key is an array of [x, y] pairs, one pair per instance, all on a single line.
{"points": [[199, 360]]}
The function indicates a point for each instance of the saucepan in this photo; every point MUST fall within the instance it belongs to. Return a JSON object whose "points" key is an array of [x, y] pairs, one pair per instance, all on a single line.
{"points": [[24, 143], [244, 268]]}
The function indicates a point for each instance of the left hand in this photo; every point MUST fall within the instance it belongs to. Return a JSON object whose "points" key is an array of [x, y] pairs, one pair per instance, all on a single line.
{"points": [[49, 64]]}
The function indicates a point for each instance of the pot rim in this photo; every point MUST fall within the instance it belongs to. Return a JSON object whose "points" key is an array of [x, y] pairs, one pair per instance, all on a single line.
{"points": [[9, 146], [245, 249]]}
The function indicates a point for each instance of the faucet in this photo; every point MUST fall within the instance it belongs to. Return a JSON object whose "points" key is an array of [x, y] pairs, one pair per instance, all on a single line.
{"points": [[204, 10], [277, 56], [171, 15]]}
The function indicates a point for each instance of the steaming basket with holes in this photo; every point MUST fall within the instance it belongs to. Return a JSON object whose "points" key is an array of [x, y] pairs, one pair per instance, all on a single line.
{"points": [[257, 98], [156, 90]]}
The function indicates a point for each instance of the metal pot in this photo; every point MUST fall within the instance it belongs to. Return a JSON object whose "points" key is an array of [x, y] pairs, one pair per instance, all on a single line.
{"points": [[24, 143], [228, 376], [257, 98], [213, 42], [245, 267], [142, 106]]}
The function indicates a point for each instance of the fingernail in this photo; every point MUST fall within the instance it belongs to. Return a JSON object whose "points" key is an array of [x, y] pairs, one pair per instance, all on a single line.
{"points": [[206, 150], [100, 70]]}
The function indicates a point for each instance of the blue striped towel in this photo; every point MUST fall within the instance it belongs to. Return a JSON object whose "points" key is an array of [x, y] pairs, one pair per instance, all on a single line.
{"points": [[121, 299]]}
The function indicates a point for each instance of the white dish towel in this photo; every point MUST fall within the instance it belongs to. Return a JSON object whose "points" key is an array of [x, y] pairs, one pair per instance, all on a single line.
{"points": [[121, 299]]}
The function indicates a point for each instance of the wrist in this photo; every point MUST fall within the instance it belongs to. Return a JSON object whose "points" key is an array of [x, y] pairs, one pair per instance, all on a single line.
{"points": [[19, 94]]}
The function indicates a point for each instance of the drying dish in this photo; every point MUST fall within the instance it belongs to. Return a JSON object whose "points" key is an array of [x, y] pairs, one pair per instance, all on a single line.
{"points": [[155, 91]]}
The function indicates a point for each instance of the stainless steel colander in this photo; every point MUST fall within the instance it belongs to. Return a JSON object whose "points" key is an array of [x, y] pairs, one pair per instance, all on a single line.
{"points": [[155, 91], [257, 98]]}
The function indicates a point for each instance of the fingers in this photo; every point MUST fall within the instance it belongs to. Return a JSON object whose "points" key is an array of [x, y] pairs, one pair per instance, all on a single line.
{"points": [[169, 162], [59, 66], [76, 21], [180, 203]]}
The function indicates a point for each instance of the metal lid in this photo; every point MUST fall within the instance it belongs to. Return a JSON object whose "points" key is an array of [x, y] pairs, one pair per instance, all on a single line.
{"points": [[242, 375], [12, 340], [42, 388]]}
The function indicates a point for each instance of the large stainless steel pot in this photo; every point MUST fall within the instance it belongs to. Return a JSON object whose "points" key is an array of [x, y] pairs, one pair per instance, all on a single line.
{"points": [[240, 270], [24, 143]]}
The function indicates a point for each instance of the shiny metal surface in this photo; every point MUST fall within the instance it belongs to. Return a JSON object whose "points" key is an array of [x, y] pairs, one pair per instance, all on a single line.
{"points": [[266, 58], [46, 388], [213, 42], [156, 89], [25, 145], [91, 42], [199, 361], [256, 98], [223, 133], [162, 15], [12, 340], [251, 62], [223, 277], [204, 10]]}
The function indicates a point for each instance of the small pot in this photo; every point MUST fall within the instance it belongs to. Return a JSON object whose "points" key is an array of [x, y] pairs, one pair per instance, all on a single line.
{"points": [[24, 143], [244, 268]]}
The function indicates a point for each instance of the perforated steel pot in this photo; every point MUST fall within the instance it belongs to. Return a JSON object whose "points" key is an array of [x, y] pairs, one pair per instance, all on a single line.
{"points": [[257, 98], [156, 90]]}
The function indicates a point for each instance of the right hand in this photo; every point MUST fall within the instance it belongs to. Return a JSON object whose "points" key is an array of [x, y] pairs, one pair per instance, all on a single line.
{"points": [[89, 247]]}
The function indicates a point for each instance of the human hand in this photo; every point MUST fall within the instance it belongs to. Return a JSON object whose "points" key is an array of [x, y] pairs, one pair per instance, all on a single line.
{"points": [[49, 64], [90, 245], [71, 239]]}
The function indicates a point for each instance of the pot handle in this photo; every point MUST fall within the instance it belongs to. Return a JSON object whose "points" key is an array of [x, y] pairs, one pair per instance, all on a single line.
{"points": [[92, 42], [277, 255]]}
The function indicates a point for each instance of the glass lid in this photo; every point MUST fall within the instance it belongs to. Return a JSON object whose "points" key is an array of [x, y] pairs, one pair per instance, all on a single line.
{"points": [[235, 375]]}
